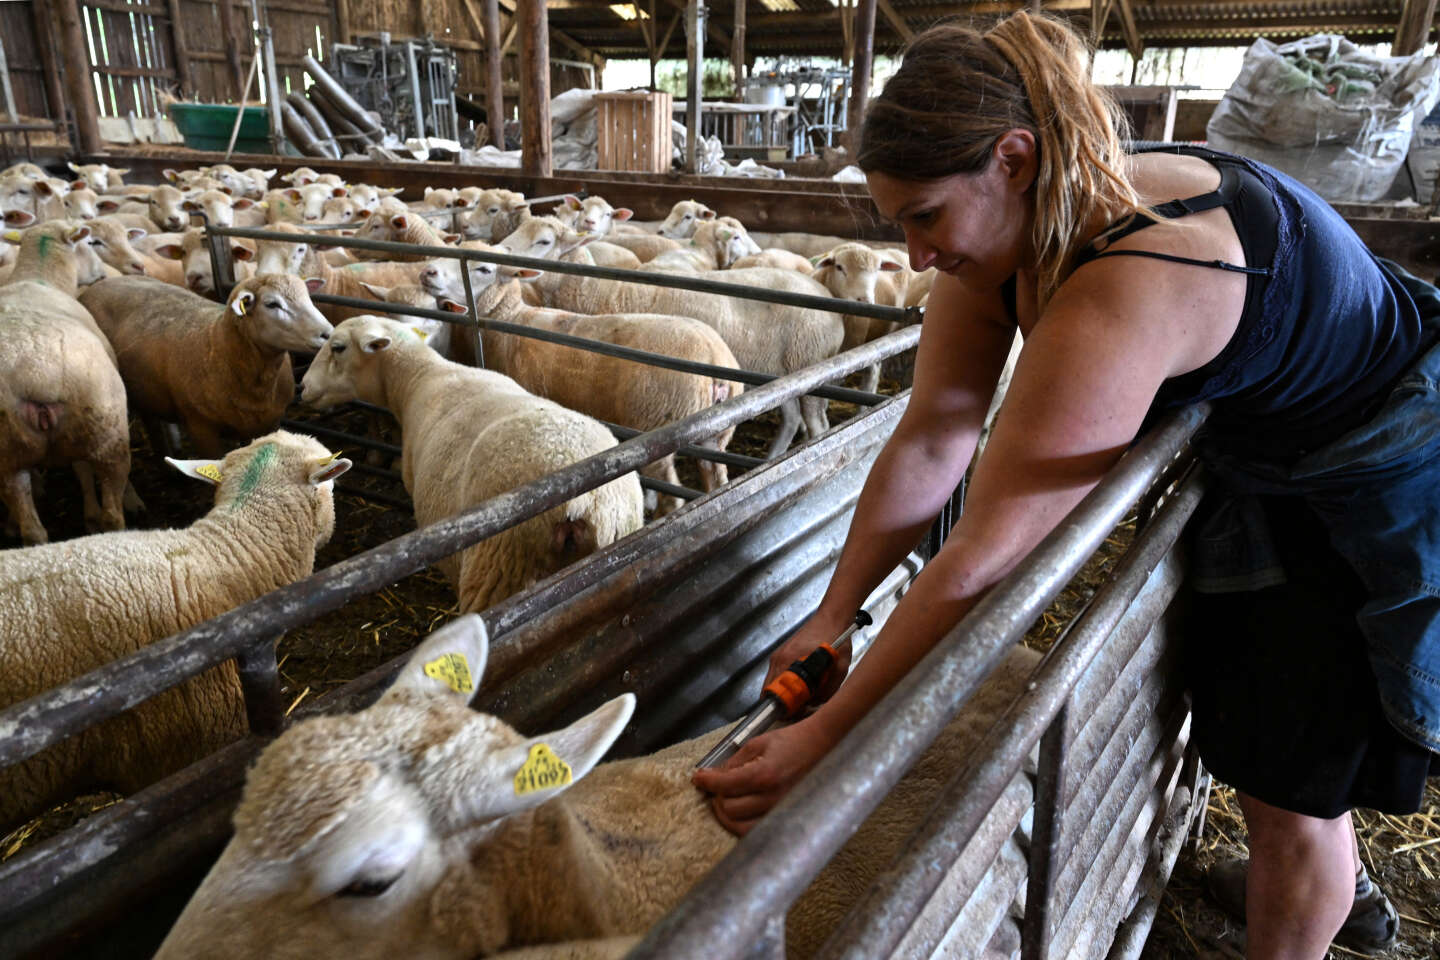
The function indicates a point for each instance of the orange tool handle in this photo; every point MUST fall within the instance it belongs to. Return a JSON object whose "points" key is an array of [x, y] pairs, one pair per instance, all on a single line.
{"points": [[801, 680]]}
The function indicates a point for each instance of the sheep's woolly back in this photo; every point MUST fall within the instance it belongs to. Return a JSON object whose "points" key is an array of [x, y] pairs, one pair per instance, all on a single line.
{"points": [[67, 608]]}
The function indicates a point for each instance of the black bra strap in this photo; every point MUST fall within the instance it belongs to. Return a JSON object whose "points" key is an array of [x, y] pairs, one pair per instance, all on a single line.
{"points": [[1215, 264]]}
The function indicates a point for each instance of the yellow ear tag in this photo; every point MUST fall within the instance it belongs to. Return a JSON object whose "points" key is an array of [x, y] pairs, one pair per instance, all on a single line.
{"points": [[453, 670], [14, 236], [240, 308], [542, 771], [421, 333], [209, 471]]}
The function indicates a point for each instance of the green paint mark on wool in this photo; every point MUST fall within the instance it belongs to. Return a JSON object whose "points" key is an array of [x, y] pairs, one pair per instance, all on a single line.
{"points": [[254, 473], [45, 244]]}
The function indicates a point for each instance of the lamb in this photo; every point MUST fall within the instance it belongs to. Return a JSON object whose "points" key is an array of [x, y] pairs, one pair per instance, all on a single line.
{"points": [[607, 388], [342, 210], [211, 368], [777, 258], [437, 333], [198, 274], [418, 827], [496, 215], [853, 271], [764, 337], [62, 397], [165, 207], [236, 183], [69, 608], [591, 215], [684, 217], [259, 182], [404, 227], [714, 246], [223, 210], [99, 177], [111, 242], [469, 435], [80, 204], [368, 198], [31, 171], [299, 258], [24, 201], [300, 204]]}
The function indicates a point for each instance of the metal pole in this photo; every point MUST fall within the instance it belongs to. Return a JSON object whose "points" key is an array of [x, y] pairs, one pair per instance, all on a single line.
{"points": [[776, 861], [694, 58], [417, 110], [266, 48], [5, 84]]}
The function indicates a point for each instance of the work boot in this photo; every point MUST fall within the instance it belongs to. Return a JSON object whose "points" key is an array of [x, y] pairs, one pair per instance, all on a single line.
{"points": [[1371, 926]]}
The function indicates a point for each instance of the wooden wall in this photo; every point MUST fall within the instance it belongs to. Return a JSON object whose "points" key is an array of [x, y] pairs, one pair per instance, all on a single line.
{"points": [[27, 76], [300, 27]]}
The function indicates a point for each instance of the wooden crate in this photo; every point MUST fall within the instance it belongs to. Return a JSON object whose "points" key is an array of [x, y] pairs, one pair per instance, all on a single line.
{"points": [[633, 131]]}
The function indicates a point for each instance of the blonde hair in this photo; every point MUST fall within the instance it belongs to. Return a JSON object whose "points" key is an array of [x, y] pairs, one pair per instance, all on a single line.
{"points": [[959, 90]]}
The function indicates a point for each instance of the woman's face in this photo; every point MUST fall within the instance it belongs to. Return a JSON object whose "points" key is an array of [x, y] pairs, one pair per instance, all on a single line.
{"points": [[973, 226]]}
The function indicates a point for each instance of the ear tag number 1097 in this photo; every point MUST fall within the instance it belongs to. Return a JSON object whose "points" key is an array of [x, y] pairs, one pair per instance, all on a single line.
{"points": [[543, 770]]}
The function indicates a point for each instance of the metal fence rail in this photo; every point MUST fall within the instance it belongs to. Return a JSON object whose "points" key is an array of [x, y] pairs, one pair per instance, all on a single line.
{"points": [[247, 631], [734, 905]]}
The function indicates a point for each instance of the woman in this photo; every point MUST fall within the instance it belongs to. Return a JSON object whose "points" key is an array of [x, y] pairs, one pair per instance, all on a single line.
{"points": [[1003, 165]]}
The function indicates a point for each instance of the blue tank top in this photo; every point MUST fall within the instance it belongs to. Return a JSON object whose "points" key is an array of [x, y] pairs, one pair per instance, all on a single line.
{"points": [[1325, 331]]}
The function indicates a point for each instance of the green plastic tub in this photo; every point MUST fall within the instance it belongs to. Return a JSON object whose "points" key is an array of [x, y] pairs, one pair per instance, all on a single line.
{"points": [[207, 126]]}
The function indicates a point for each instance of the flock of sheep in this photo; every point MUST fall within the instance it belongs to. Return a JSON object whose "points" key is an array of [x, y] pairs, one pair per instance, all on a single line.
{"points": [[105, 316]]}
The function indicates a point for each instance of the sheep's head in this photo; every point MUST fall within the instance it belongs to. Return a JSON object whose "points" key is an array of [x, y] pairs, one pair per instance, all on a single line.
{"points": [[341, 210], [684, 217], [432, 331], [216, 206], [544, 238], [274, 310], [61, 246], [593, 214], [490, 206], [441, 277], [726, 238], [300, 176], [851, 270], [195, 254], [81, 204], [100, 177], [360, 835], [20, 198], [281, 256], [348, 366], [259, 181], [111, 241], [277, 466], [167, 208]]}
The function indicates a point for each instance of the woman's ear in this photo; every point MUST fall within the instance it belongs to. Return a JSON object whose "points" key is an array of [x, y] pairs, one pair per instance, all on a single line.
{"points": [[1016, 152]]}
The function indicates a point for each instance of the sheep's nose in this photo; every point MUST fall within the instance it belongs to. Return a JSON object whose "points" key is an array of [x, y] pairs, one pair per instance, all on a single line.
{"points": [[430, 272], [137, 267]]}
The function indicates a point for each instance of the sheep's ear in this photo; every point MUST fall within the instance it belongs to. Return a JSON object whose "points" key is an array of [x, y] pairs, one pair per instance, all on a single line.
{"points": [[821, 262], [526, 273], [190, 205], [328, 469], [313, 284], [269, 174], [71, 165], [135, 233], [19, 218], [339, 192], [170, 251], [399, 221], [44, 188], [452, 306], [242, 253], [294, 195], [244, 203], [707, 214], [378, 292], [77, 185], [452, 238], [428, 191], [242, 303], [572, 201], [449, 663], [890, 266], [120, 171], [109, 206], [207, 470], [171, 174], [546, 765], [77, 235], [374, 342], [623, 213]]}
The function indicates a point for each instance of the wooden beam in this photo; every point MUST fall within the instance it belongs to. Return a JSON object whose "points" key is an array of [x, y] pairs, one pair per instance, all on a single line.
{"points": [[182, 49], [860, 73], [1133, 43], [472, 13], [510, 36], [711, 31], [494, 87], [77, 76], [231, 43], [342, 21], [44, 38], [669, 32], [1416, 19], [737, 50], [1099, 16], [896, 21], [694, 87], [536, 157]]}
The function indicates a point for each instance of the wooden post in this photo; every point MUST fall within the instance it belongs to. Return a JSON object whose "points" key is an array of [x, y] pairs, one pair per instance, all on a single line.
{"points": [[860, 72], [182, 49], [694, 60], [232, 46], [737, 51], [494, 84], [77, 75], [342, 24], [535, 156], [44, 37], [1416, 18]]}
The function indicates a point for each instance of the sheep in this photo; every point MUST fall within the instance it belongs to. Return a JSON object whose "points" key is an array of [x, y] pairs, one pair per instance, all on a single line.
{"points": [[300, 177], [714, 246], [236, 183], [684, 217], [468, 435], [300, 204], [211, 368], [299, 258], [646, 247], [496, 215], [259, 182], [25, 201], [764, 337], [69, 608], [80, 204], [99, 177], [437, 333], [604, 387], [406, 227], [443, 199], [198, 274], [32, 171], [777, 258], [223, 210], [853, 271], [341, 210], [368, 198], [111, 242], [62, 397], [165, 207], [591, 215], [418, 827]]}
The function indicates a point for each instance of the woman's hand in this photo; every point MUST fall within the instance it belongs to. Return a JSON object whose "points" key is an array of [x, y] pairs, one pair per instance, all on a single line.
{"points": [[820, 628], [762, 772]]}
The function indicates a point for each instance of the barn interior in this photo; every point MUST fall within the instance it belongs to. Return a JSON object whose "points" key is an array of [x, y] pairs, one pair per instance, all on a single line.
{"points": [[1083, 822]]}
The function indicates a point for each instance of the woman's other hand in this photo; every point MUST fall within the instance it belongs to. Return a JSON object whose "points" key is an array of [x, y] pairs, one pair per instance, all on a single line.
{"points": [[820, 628], [762, 772]]}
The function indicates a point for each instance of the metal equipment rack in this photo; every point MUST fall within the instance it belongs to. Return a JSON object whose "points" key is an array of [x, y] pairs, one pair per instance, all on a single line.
{"points": [[409, 83], [821, 98]]}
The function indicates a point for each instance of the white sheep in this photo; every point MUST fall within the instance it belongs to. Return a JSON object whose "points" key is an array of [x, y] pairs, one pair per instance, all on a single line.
{"points": [[420, 828], [259, 182], [300, 204], [80, 204], [213, 369], [496, 215], [99, 177], [197, 274], [684, 217], [468, 435], [69, 608], [223, 210], [765, 337], [399, 227], [607, 388], [25, 201], [299, 257], [854, 271], [64, 400], [368, 198]]}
